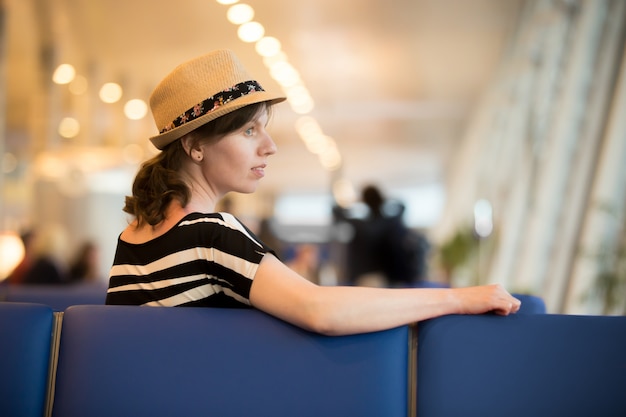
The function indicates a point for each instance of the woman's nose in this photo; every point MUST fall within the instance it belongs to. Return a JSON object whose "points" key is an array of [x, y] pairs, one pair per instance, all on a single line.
{"points": [[269, 146]]}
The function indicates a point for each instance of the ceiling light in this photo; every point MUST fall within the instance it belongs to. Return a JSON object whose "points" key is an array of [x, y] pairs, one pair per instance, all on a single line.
{"points": [[268, 46], [110, 92], [250, 32], [344, 193], [303, 106], [307, 126], [69, 127], [135, 109], [270, 61], [300, 99], [331, 159], [319, 144], [64, 74], [227, 2], [239, 14], [285, 74]]}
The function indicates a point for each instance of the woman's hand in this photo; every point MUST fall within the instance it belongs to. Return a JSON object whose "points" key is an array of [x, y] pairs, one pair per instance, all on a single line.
{"points": [[486, 298]]}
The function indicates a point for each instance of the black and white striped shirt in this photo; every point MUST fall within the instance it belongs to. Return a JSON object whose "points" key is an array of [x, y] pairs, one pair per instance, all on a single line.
{"points": [[206, 260]]}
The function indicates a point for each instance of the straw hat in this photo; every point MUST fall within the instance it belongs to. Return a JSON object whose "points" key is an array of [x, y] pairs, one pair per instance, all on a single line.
{"points": [[202, 90]]}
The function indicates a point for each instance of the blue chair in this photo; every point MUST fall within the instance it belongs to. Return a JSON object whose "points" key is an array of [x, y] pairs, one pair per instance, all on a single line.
{"points": [[25, 346], [150, 361], [430, 284], [531, 304], [58, 297], [522, 365]]}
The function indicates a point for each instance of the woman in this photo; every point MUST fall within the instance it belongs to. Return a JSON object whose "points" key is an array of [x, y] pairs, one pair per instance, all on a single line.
{"points": [[212, 118]]}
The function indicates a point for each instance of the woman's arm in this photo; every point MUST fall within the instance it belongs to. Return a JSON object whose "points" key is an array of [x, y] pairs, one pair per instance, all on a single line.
{"points": [[335, 310]]}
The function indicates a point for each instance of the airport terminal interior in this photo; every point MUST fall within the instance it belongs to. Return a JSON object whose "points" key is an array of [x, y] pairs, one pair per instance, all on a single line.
{"points": [[499, 126]]}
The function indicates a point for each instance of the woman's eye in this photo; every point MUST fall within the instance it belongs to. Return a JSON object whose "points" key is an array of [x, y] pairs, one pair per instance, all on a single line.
{"points": [[249, 131]]}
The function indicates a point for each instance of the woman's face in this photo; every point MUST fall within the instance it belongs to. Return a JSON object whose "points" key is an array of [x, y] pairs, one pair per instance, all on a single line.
{"points": [[237, 161]]}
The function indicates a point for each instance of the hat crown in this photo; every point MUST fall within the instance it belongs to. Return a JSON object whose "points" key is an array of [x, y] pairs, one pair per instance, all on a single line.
{"points": [[194, 81], [201, 90]]}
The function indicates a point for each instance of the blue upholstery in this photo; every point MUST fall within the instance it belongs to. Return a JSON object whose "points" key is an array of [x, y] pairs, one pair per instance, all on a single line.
{"points": [[58, 297], [25, 341], [531, 304], [150, 361], [522, 365], [429, 284]]}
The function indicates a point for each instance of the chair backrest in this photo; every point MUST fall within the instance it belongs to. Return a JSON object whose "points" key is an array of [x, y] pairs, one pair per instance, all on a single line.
{"points": [[25, 347], [522, 365], [531, 304], [429, 284], [58, 297], [150, 361]]}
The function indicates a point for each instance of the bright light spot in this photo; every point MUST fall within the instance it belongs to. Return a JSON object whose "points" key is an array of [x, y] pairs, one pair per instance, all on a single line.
{"points": [[11, 253], [227, 2], [424, 203], [240, 14], [302, 209], [110, 92], [111, 181], [285, 74], [483, 218], [319, 144], [272, 60], [135, 109], [344, 192], [268, 46], [64, 74], [250, 32], [69, 127], [300, 100], [330, 158], [307, 126], [50, 167]]}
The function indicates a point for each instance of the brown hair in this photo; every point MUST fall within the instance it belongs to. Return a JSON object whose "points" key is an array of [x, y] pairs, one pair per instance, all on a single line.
{"points": [[158, 181]]}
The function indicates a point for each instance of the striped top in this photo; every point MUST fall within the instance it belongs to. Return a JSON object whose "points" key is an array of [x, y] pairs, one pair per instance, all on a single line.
{"points": [[206, 260]]}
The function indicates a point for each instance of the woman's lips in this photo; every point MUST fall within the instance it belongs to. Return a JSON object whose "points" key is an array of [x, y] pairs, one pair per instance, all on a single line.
{"points": [[260, 170]]}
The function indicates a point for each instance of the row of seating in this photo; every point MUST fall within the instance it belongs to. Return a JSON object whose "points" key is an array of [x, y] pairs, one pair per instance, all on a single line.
{"points": [[119, 360], [60, 297]]}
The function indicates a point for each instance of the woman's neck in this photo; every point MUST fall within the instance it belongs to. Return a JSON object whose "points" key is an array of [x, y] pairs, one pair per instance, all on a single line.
{"points": [[144, 233]]}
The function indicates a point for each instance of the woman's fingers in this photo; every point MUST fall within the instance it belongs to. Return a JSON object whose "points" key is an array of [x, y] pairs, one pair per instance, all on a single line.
{"points": [[487, 298]]}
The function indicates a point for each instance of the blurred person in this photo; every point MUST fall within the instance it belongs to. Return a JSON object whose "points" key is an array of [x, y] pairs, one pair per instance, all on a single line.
{"points": [[84, 266], [49, 264], [266, 232], [382, 251], [306, 261], [178, 251]]}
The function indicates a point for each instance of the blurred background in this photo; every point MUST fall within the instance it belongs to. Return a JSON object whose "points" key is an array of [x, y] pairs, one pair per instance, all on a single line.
{"points": [[500, 125]]}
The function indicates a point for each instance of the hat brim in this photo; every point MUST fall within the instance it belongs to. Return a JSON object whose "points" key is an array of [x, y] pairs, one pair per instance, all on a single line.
{"points": [[162, 140]]}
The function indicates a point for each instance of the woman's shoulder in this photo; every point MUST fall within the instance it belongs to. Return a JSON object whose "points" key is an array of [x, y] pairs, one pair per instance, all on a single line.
{"points": [[140, 234], [220, 218]]}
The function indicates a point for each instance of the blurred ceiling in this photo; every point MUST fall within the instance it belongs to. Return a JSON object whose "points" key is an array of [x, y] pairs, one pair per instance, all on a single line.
{"points": [[394, 82]]}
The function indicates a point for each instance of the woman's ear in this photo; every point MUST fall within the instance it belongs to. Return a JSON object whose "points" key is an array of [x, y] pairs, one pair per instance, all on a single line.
{"points": [[197, 155], [187, 144], [192, 149]]}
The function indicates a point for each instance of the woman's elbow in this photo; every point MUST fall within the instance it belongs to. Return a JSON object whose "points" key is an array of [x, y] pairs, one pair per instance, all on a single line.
{"points": [[322, 319]]}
